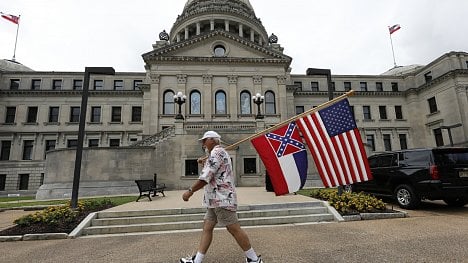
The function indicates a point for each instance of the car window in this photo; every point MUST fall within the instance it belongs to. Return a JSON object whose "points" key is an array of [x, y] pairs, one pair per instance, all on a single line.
{"points": [[387, 160], [451, 158], [419, 158], [373, 162]]}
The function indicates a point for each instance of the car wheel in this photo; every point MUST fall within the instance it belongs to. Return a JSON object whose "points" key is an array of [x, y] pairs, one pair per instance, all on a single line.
{"points": [[348, 188], [406, 197], [456, 201]]}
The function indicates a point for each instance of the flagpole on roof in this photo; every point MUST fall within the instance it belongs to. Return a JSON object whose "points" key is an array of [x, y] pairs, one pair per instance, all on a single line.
{"points": [[393, 52], [310, 111], [16, 39]]}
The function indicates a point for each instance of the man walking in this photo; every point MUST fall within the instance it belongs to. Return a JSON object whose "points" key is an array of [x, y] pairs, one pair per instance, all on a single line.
{"points": [[220, 198]]}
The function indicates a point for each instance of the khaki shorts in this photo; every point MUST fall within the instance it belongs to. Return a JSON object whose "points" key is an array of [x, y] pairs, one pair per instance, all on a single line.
{"points": [[222, 216]]}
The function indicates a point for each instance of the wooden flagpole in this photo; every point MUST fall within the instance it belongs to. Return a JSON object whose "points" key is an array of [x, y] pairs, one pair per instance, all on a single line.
{"points": [[321, 106]]}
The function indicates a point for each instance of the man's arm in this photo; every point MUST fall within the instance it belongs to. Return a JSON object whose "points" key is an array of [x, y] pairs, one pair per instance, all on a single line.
{"points": [[195, 187]]}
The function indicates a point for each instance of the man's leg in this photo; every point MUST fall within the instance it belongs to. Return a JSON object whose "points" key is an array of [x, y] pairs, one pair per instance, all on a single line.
{"points": [[239, 234], [207, 235]]}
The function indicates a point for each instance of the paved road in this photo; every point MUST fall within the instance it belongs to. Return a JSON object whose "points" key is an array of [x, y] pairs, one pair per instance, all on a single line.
{"points": [[435, 233]]}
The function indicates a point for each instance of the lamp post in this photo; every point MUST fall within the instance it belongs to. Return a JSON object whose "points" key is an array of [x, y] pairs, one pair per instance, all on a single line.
{"points": [[448, 128], [258, 99], [81, 128], [180, 99]]}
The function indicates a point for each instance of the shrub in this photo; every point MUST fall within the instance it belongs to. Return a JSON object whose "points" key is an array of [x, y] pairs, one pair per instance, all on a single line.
{"points": [[350, 203], [62, 215]]}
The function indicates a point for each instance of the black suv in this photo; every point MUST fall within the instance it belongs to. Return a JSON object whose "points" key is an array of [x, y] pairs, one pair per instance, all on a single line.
{"points": [[413, 175]]}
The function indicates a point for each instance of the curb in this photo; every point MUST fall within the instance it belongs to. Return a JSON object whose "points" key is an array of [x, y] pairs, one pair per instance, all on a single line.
{"points": [[372, 216], [29, 237]]}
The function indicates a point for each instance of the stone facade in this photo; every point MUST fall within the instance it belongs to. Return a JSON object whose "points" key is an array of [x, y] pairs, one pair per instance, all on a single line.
{"points": [[219, 55]]}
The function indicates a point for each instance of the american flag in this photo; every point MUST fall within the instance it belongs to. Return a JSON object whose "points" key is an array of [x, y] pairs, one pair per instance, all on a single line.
{"points": [[336, 145]]}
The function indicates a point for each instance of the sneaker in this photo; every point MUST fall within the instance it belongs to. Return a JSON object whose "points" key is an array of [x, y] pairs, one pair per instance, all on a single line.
{"points": [[187, 260], [259, 260]]}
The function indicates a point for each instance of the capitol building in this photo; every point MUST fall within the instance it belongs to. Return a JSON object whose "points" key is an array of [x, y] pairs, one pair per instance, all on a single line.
{"points": [[217, 56]]}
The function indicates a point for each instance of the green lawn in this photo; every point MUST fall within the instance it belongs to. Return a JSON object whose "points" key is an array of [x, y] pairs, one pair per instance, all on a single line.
{"points": [[10, 202]]}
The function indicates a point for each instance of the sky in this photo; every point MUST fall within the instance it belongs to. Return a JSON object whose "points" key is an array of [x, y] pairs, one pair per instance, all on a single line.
{"points": [[350, 37]]}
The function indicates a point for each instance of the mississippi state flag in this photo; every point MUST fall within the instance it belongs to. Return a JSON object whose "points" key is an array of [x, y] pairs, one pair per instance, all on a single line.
{"points": [[11, 18], [285, 158], [394, 28], [336, 145]]}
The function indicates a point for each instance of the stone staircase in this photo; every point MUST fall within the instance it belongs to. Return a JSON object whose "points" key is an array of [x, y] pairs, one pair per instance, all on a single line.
{"points": [[108, 223]]}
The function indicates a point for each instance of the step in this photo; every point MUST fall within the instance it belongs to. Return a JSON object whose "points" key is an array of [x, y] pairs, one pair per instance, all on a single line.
{"points": [[199, 216], [197, 224]]}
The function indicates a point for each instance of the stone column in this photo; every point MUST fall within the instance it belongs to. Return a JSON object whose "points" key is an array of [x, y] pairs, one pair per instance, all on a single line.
{"points": [[226, 25], [151, 102], [462, 98], [233, 99], [198, 28], [241, 30], [284, 103], [252, 35], [207, 96], [186, 33], [212, 24], [181, 86], [257, 88]]}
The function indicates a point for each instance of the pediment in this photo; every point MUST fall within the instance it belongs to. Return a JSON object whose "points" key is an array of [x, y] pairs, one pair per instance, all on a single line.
{"points": [[201, 48]]}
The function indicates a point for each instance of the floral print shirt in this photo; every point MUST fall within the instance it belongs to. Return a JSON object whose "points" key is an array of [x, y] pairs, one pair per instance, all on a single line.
{"points": [[220, 190]]}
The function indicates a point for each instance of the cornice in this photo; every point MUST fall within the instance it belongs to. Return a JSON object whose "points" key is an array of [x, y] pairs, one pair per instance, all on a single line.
{"points": [[356, 93], [62, 93], [173, 47], [438, 80]]}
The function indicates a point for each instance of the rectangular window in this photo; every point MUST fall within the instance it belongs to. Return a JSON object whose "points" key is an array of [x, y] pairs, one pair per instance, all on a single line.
{"points": [[136, 114], [363, 86], [98, 84], [49, 145], [53, 114], [116, 114], [387, 142], [191, 167], [10, 115], [114, 142], [77, 84], [378, 86], [5, 153], [28, 149], [72, 143], [428, 77], [347, 86], [250, 166], [394, 86], [2, 182], [14, 84], [136, 83], [75, 114], [352, 111], [23, 181], [41, 180], [95, 114], [383, 112], [32, 115], [432, 105], [314, 86], [57, 84], [299, 109], [398, 113], [366, 112], [93, 142], [438, 137], [118, 85], [35, 84], [299, 85], [371, 142], [403, 141]]}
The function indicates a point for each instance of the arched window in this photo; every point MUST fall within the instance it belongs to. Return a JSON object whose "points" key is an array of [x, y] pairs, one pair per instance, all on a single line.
{"points": [[270, 106], [169, 102], [220, 106], [245, 103], [195, 102]]}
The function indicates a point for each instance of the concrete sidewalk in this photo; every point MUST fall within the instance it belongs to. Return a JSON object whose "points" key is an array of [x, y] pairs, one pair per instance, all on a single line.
{"points": [[245, 196]]}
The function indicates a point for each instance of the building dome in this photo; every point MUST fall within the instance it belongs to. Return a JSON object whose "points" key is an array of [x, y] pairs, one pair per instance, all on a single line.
{"points": [[12, 65], [402, 70], [203, 16]]}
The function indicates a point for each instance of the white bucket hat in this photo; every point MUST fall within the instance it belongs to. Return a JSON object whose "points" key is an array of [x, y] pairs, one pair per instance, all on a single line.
{"points": [[210, 134]]}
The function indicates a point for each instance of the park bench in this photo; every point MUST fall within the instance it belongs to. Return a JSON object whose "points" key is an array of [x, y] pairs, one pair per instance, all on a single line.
{"points": [[146, 187]]}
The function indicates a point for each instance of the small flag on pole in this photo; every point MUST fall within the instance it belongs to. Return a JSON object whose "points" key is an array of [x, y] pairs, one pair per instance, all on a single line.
{"points": [[285, 158], [394, 28], [336, 145], [11, 18]]}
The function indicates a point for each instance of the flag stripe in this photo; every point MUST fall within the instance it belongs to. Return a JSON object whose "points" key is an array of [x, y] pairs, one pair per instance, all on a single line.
{"points": [[291, 173], [11, 18], [362, 155]]}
